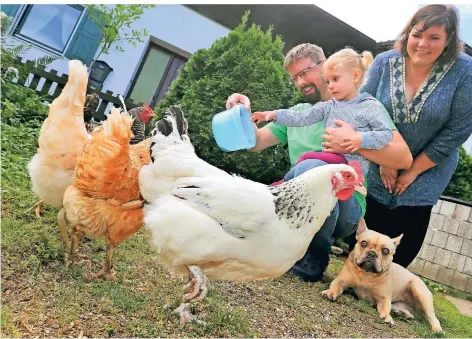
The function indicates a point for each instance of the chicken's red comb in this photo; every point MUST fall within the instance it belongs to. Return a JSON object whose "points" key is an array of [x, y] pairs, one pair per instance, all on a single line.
{"points": [[358, 168], [147, 107]]}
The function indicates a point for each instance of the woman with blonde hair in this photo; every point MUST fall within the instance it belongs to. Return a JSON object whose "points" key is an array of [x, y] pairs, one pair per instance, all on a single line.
{"points": [[425, 83]]}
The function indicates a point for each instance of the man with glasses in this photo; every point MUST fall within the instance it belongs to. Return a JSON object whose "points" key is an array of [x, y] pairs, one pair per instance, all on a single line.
{"points": [[304, 64]]}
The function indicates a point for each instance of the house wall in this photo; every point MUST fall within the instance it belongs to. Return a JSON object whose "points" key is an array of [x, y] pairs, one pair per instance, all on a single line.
{"points": [[174, 24]]}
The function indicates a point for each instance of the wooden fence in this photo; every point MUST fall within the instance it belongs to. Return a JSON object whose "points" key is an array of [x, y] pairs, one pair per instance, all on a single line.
{"points": [[51, 78]]}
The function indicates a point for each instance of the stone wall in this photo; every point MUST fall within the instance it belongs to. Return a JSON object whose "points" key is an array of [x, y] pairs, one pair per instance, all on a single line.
{"points": [[446, 255]]}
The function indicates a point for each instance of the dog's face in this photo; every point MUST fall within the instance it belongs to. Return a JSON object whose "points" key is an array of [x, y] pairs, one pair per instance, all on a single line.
{"points": [[374, 251]]}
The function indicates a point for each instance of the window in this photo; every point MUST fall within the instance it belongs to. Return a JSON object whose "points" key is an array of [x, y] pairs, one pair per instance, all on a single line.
{"points": [[49, 25], [159, 67]]}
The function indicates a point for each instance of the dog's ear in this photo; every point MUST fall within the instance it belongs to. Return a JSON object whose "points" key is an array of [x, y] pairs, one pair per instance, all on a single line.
{"points": [[361, 227], [396, 241]]}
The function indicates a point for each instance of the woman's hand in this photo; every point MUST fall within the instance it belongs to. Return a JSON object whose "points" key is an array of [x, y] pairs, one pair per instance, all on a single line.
{"points": [[334, 137], [404, 180], [236, 99], [259, 117], [389, 177]]}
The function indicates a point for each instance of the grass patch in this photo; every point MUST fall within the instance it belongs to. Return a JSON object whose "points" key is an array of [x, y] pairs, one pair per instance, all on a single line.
{"points": [[41, 297]]}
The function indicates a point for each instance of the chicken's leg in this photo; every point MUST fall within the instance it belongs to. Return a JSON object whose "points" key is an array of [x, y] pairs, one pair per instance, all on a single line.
{"points": [[195, 290], [107, 268], [61, 219], [76, 235], [37, 208]]}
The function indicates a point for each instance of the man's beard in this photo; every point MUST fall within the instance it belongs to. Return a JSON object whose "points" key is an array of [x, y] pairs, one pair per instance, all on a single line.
{"points": [[314, 97]]}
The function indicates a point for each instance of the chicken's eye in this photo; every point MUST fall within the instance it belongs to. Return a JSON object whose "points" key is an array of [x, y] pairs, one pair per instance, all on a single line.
{"points": [[385, 251], [364, 243], [348, 176]]}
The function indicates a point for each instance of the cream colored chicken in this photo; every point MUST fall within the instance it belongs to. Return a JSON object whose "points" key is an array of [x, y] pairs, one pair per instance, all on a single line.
{"points": [[61, 140]]}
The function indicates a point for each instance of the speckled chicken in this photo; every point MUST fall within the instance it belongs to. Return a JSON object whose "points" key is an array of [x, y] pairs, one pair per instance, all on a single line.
{"points": [[141, 117], [90, 107]]}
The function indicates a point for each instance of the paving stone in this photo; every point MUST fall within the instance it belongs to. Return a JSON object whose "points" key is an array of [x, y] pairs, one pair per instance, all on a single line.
{"points": [[466, 248], [437, 207], [430, 270], [454, 243], [417, 265], [436, 222], [442, 257], [451, 225], [462, 212], [445, 275], [457, 262], [439, 239], [459, 281], [468, 266], [447, 208], [468, 288], [428, 252]]}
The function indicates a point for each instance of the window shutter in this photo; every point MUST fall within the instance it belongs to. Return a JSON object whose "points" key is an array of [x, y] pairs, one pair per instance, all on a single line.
{"points": [[85, 41], [10, 10]]}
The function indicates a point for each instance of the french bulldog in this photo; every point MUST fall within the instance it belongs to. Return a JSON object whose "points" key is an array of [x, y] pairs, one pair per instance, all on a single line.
{"points": [[370, 272]]}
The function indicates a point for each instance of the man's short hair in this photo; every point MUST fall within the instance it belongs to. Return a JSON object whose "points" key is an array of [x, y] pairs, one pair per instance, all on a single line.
{"points": [[311, 51]]}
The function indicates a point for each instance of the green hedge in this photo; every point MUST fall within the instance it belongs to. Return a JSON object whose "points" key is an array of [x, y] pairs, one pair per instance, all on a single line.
{"points": [[460, 186], [247, 61]]}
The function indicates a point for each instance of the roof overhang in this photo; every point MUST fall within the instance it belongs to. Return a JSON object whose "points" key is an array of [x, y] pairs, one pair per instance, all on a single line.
{"points": [[295, 23]]}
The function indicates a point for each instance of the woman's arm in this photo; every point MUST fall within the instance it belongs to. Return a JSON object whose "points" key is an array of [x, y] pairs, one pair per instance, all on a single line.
{"points": [[459, 125]]}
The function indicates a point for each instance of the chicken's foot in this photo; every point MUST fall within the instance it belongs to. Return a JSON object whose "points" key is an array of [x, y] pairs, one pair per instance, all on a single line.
{"points": [[107, 268], [186, 316], [37, 208], [195, 290]]}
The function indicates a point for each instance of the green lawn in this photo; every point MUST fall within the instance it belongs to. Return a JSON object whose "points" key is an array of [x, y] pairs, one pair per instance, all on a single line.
{"points": [[41, 297]]}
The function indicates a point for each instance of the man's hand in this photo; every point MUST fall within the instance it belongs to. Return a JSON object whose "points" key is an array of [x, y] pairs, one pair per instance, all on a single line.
{"points": [[389, 177], [353, 143], [404, 180], [334, 137], [236, 99], [259, 117]]}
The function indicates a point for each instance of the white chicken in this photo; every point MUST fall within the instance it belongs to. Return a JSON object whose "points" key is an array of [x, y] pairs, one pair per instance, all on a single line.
{"points": [[207, 223]]}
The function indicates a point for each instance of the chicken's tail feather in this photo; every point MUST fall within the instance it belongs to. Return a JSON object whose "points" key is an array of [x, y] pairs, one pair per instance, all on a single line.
{"points": [[72, 98], [116, 128]]}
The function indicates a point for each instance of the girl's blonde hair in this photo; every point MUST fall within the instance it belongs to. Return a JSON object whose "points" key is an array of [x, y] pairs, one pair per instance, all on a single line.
{"points": [[349, 57]]}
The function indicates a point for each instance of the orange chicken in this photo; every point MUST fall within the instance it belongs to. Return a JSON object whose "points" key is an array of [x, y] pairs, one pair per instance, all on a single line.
{"points": [[104, 199]]}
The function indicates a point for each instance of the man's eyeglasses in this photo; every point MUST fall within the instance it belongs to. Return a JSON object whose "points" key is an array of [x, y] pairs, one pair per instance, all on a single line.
{"points": [[303, 73]]}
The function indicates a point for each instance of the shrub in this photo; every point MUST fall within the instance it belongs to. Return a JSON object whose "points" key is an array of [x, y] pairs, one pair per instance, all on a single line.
{"points": [[460, 186], [247, 61], [18, 103]]}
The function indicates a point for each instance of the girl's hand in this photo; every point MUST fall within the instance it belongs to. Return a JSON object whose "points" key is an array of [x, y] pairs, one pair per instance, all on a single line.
{"points": [[259, 117], [353, 143], [404, 180], [389, 177]]}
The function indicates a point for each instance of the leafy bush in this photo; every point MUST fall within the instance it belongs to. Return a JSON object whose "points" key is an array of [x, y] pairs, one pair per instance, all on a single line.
{"points": [[18, 103], [460, 186], [247, 61]]}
